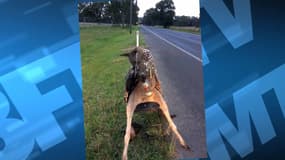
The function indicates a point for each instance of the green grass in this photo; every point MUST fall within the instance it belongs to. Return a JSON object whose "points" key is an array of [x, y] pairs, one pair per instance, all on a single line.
{"points": [[193, 30], [103, 87]]}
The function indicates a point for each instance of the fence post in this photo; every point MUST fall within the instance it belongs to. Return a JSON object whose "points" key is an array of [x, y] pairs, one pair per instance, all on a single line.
{"points": [[138, 38]]}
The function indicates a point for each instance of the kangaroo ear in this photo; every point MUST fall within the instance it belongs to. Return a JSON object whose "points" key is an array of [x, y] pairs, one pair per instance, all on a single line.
{"points": [[125, 54]]}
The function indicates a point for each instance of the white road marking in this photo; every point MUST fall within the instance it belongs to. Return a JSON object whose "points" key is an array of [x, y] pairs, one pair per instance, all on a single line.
{"points": [[181, 49]]}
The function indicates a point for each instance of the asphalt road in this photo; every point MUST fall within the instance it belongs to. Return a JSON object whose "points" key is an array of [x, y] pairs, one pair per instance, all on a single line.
{"points": [[177, 57]]}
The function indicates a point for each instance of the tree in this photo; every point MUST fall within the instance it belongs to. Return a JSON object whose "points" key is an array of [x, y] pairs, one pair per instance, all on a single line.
{"points": [[166, 12], [92, 12], [81, 7], [126, 12], [163, 14], [115, 12], [113, 9], [150, 17], [186, 21]]}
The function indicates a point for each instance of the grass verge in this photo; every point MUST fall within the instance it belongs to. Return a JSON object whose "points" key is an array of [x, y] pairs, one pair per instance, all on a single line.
{"points": [[103, 86], [193, 30]]}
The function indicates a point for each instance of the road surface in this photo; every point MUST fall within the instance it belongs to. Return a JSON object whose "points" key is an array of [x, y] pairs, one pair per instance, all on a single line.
{"points": [[177, 57]]}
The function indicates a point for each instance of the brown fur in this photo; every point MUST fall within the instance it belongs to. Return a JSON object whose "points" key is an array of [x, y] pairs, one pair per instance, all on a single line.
{"points": [[137, 97]]}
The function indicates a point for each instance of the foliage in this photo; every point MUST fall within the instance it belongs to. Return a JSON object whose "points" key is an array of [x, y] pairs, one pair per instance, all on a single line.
{"points": [[186, 21], [115, 12], [150, 17], [163, 14]]}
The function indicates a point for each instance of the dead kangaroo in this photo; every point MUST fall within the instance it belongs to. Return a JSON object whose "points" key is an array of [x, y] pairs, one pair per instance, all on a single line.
{"points": [[142, 86]]}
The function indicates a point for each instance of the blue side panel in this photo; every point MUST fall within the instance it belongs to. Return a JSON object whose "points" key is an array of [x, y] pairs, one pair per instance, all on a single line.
{"points": [[41, 109], [244, 74], [94, 0]]}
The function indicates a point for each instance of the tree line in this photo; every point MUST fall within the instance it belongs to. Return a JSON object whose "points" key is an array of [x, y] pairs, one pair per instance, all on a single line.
{"points": [[118, 12], [164, 14], [186, 21], [114, 12]]}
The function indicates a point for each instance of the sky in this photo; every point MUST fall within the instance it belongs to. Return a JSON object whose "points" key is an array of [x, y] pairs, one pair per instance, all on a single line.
{"points": [[183, 7]]}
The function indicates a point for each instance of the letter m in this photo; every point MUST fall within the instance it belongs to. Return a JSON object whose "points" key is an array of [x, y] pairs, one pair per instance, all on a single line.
{"points": [[240, 137], [248, 105]]}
